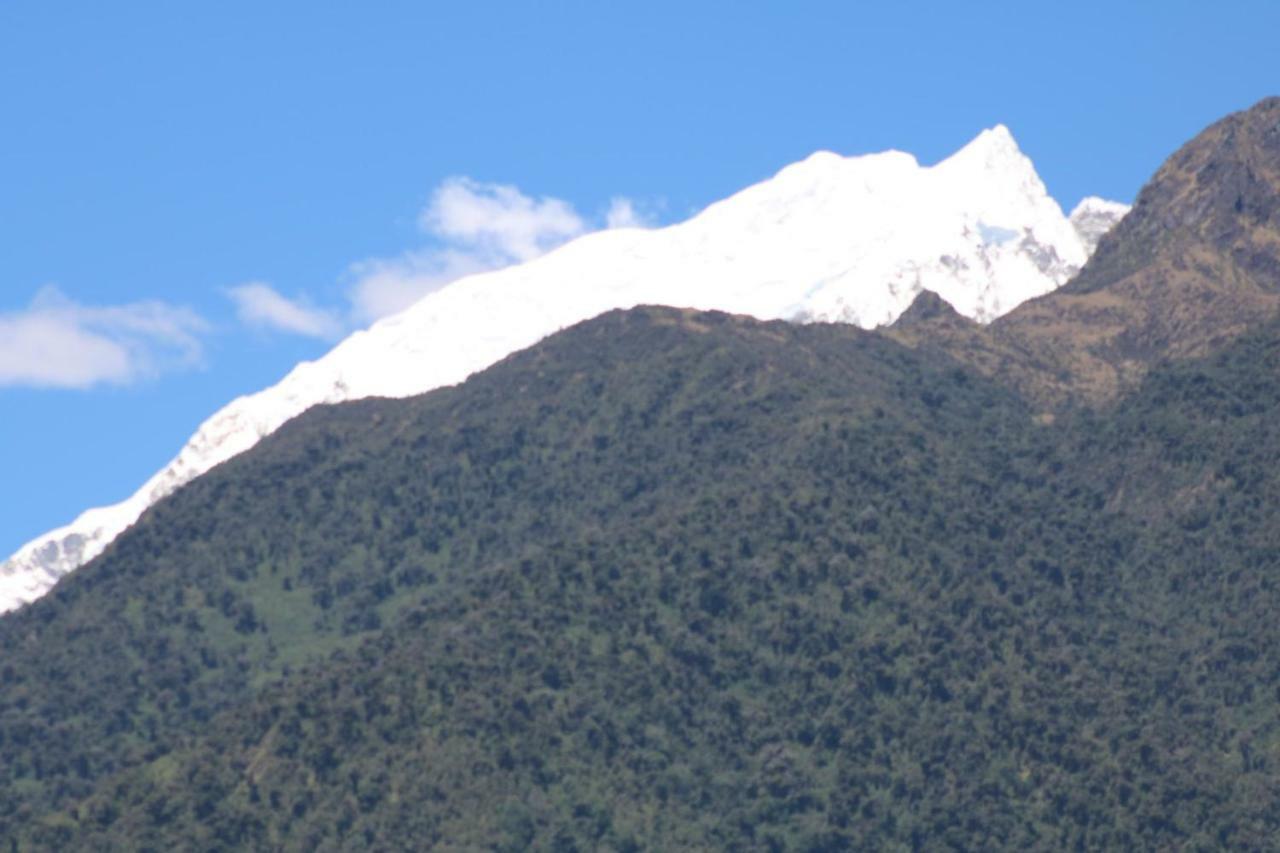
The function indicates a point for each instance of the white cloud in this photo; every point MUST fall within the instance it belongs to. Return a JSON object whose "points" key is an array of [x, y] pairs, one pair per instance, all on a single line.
{"points": [[259, 304], [473, 227], [622, 213], [498, 219], [386, 286], [470, 226], [57, 342]]}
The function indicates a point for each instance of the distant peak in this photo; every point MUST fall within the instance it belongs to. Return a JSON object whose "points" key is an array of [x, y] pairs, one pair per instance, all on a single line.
{"points": [[992, 150], [1094, 217], [1091, 205], [994, 141]]}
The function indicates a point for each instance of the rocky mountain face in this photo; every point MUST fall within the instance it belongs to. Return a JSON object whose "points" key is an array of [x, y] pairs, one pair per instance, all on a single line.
{"points": [[842, 239], [1218, 193], [1193, 265]]}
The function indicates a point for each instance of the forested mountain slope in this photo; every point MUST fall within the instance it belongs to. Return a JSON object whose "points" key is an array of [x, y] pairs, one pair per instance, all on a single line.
{"points": [[676, 579], [356, 512]]}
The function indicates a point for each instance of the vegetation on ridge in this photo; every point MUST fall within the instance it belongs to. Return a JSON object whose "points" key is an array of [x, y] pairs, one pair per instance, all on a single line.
{"points": [[681, 580]]}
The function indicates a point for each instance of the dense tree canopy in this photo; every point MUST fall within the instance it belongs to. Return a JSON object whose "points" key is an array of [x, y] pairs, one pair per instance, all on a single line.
{"points": [[675, 580]]}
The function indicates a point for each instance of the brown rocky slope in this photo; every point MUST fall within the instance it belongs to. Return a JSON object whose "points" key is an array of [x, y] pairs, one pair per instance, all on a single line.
{"points": [[1195, 263]]}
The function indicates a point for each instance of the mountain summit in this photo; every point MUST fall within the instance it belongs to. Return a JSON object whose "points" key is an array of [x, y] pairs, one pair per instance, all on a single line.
{"points": [[831, 238], [1192, 266]]}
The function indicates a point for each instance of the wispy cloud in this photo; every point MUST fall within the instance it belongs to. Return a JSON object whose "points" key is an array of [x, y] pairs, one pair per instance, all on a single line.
{"points": [[473, 227], [385, 286], [622, 213], [468, 227], [262, 306], [57, 342], [498, 220]]}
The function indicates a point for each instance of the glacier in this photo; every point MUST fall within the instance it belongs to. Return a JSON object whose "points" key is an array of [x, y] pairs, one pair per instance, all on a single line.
{"points": [[830, 238]]}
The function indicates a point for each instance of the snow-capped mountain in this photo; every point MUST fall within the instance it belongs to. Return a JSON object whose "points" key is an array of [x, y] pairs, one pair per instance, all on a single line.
{"points": [[1093, 217], [831, 238]]}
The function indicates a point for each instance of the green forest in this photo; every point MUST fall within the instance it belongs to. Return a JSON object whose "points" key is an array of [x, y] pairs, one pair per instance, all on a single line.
{"points": [[678, 580]]}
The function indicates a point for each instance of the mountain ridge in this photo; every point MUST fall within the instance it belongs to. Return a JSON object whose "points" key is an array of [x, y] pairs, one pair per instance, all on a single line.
{"points": [[1194, 264]]}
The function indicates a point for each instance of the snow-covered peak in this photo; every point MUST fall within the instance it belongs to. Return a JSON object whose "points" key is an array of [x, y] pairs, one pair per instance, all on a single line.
{"points": [[1093, 217], [994, 149], [1093, 205], [993, 156], [848, 239]]}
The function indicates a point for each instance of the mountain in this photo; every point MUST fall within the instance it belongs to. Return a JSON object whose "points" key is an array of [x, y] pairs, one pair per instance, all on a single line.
{"points": [[1193, 265], [676, 579], [683, 580], [1093, 217], [851, 240]]}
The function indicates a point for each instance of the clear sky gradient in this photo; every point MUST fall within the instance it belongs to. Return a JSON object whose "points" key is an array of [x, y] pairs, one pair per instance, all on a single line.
{"points": [[156, 156]]}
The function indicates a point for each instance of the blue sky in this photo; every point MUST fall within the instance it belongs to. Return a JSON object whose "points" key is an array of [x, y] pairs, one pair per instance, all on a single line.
{"points": [[167, 170]]}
